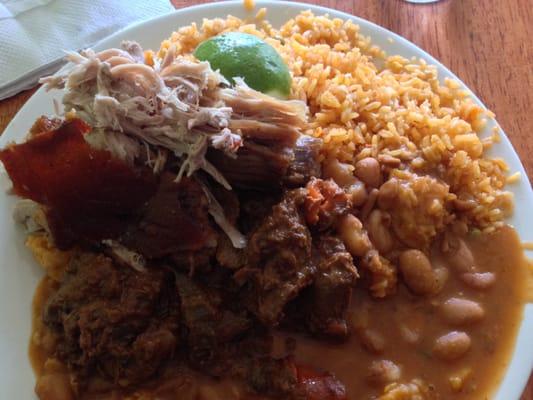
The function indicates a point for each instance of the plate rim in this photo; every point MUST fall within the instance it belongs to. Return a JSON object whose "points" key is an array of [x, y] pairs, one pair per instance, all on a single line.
{"points": [[521, 378]]}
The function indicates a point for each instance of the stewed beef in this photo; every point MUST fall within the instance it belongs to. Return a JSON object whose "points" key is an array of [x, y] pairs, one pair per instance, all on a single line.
{"points": [[175, 220], [255, 207], [228, 256], [278, 254], [328, 299], [114, 320], [207, 325]]}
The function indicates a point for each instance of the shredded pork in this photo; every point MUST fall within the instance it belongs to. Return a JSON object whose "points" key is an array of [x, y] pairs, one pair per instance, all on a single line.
{"points": [[178, 106]]}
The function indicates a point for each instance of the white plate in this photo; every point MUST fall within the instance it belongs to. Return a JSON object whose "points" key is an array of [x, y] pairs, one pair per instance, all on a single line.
{"points": [[19, 273]]}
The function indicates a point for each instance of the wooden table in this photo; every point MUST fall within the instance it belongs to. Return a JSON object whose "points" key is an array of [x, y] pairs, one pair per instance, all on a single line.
{"points": [[486, 43]]}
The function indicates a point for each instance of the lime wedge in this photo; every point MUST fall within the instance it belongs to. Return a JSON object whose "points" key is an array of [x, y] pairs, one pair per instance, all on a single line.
{"points": [[237, 54]]}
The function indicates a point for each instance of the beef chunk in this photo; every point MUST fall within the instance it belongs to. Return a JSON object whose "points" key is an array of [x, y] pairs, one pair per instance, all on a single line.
{"points": [[329, 296], [283, 379], [277, 378], [278, 256], [255, 206], [176, 220], [200, 319], [305, 163], [250, 360], [228, 256], [207, 325], [114, 320]]}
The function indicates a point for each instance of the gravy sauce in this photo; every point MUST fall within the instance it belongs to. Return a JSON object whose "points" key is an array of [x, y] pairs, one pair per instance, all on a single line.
{"points": [[400, 331], [403, 329]]}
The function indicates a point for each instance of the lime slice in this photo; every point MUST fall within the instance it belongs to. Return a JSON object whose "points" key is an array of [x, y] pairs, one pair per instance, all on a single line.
{"points": [[237, 54]]}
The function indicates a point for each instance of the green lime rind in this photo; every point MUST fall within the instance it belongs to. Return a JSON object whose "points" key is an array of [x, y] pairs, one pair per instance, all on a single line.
{"points": [[237, 54]]}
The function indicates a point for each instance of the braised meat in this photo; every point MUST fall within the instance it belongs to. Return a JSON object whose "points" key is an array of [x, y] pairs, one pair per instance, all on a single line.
{"points": [[305, 163], [266, 167], [278, 257], [283, 379], [255, 207], [175, 220], [228, 256], [207, 325], [256, 167], [277, 378], [250, 360], [114, 320], [329, 296]]}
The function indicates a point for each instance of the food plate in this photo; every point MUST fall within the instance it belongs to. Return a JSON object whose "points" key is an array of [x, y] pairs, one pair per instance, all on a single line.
{"points": [[19, 273]]}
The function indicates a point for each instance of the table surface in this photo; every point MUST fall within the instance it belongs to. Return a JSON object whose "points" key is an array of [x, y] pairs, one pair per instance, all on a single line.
{"points": [[486, 43]]}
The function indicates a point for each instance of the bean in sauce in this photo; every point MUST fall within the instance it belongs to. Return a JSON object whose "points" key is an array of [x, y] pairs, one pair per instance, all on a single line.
{"points": [[410, 325], [403, 337]]}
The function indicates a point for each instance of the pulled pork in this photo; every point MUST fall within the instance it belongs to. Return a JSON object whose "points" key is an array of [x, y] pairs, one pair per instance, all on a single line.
{"points": [[181, 110], [179, 105]]}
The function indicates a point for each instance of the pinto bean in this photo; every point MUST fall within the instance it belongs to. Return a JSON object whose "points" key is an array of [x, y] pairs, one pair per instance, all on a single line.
{"points": [[48, 340], [479, 280], [410, 334], [441, 277], [383, 371], [378, 228], [369, 204], [388, 193], [357, 193], [372, 340], [369, 171], [54, 386], [452, 346], [343, 176], [460, 228], [458, 311], [53, 365], [458, 380], [460, 257], [354, 236], [417, 272], [341, 173]]}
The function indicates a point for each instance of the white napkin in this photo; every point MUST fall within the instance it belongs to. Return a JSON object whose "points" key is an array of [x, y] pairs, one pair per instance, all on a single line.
{"points": [[34, 33]]}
